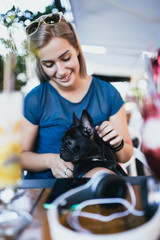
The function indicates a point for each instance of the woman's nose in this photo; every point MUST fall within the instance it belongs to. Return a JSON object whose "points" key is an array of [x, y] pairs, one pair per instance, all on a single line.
{"points": [[60, 68]]}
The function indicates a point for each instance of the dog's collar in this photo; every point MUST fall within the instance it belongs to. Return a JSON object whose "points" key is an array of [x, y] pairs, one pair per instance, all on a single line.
{"points": [[95, 159], [98, 159]]}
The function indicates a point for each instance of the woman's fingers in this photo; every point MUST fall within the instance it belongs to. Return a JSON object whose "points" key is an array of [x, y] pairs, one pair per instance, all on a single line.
{"points": [[104, 129], [108, 133], [63, 169], [67, 172]]}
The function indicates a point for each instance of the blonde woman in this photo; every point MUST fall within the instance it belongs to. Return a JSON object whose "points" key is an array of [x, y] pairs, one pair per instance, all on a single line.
{"points": [[65, 88]]}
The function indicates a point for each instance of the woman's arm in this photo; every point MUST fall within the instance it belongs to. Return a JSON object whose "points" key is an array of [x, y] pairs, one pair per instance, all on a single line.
{"points": [[114, 131], [39, 162]]}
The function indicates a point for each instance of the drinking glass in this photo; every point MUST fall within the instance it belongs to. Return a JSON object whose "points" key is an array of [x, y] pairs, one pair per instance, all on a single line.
{"points": [[11, 107], [151, 133]]}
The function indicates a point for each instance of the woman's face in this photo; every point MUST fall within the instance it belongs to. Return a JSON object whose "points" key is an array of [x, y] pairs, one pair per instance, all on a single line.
{"points": [[59, 60]]}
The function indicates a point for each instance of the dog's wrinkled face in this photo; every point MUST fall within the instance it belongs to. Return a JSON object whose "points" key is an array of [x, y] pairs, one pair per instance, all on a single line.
{"points": [[76, 142]]}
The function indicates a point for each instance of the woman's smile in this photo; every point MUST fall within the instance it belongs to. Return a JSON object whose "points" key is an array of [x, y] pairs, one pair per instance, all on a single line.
{"points": [[65, 79]]}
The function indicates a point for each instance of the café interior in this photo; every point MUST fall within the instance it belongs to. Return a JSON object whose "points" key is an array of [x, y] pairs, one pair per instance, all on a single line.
{"points": [[121, 43]]}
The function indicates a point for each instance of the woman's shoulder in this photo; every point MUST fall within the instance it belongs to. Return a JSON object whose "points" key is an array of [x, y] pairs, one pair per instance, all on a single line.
{"points": [[32, 103], [99, 80], [107, 91], [104, 85], [36, 91]]}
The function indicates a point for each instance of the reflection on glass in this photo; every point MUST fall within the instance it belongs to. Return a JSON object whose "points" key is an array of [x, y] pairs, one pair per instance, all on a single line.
{"points": [[10, 144], [11, 107], [151, 133]]}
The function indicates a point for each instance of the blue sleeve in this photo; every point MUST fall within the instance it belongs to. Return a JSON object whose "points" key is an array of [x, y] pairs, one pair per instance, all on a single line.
{"points": [[116, 100], [31, 107]]}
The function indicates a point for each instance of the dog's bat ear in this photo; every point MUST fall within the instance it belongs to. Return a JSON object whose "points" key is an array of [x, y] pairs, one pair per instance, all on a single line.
{"points": [[87, 123], [75, 120]]}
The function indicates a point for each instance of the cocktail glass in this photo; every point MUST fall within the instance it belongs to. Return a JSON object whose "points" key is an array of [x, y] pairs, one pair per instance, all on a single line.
{"points": [[11, 108], [151, 133]]}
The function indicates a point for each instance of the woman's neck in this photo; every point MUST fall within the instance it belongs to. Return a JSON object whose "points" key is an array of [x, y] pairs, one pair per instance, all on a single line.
{"points": [[76, 92]]}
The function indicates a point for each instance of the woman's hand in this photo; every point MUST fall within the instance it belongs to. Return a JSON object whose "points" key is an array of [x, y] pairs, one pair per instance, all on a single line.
{"points": [[109, 134], [114, 131], [60, 168]]}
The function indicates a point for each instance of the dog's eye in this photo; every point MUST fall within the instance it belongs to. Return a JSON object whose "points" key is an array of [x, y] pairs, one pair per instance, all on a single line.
{"points": [[87, 131], [70, 142]]}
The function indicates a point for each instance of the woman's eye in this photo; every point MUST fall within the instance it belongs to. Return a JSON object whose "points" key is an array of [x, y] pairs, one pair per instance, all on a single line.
{"points": [[49, 65], [66, 59]]}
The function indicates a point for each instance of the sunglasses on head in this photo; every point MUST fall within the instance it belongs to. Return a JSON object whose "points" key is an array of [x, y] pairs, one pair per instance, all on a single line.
{"points": [[49, 19]]}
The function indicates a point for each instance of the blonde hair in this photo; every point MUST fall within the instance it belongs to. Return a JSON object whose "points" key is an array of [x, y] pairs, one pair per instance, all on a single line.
{"points": [[45, 33]]}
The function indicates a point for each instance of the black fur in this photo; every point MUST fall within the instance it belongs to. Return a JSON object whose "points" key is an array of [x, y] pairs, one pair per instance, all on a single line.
{"points": [[82, 146]]}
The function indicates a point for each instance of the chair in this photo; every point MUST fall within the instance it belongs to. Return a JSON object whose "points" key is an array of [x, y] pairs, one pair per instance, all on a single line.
{"points": [[130, 167]]}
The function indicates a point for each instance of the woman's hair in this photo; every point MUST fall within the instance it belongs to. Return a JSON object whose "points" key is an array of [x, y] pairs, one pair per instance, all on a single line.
{"points": [[45, 33]]}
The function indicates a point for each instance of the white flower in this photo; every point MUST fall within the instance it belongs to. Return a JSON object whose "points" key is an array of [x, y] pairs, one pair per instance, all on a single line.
{"points": [[17, 35]]}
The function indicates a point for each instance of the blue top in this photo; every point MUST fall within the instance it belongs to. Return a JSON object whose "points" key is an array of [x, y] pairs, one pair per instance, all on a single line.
{"points": [[45, 107]]}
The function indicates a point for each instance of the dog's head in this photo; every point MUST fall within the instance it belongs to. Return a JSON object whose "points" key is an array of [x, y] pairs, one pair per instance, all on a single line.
{"points": [[76, 142]]}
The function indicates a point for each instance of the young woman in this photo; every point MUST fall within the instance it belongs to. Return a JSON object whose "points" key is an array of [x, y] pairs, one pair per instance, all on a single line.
{"points": [[65, 88]]}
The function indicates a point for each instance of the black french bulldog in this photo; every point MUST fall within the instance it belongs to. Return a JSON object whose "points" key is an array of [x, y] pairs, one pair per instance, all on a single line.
{"points": [[82, 146]]}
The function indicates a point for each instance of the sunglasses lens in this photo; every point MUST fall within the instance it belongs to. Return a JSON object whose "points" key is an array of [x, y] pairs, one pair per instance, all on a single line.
{"points": [[49, 19], [55, 18], [32, 28]]}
